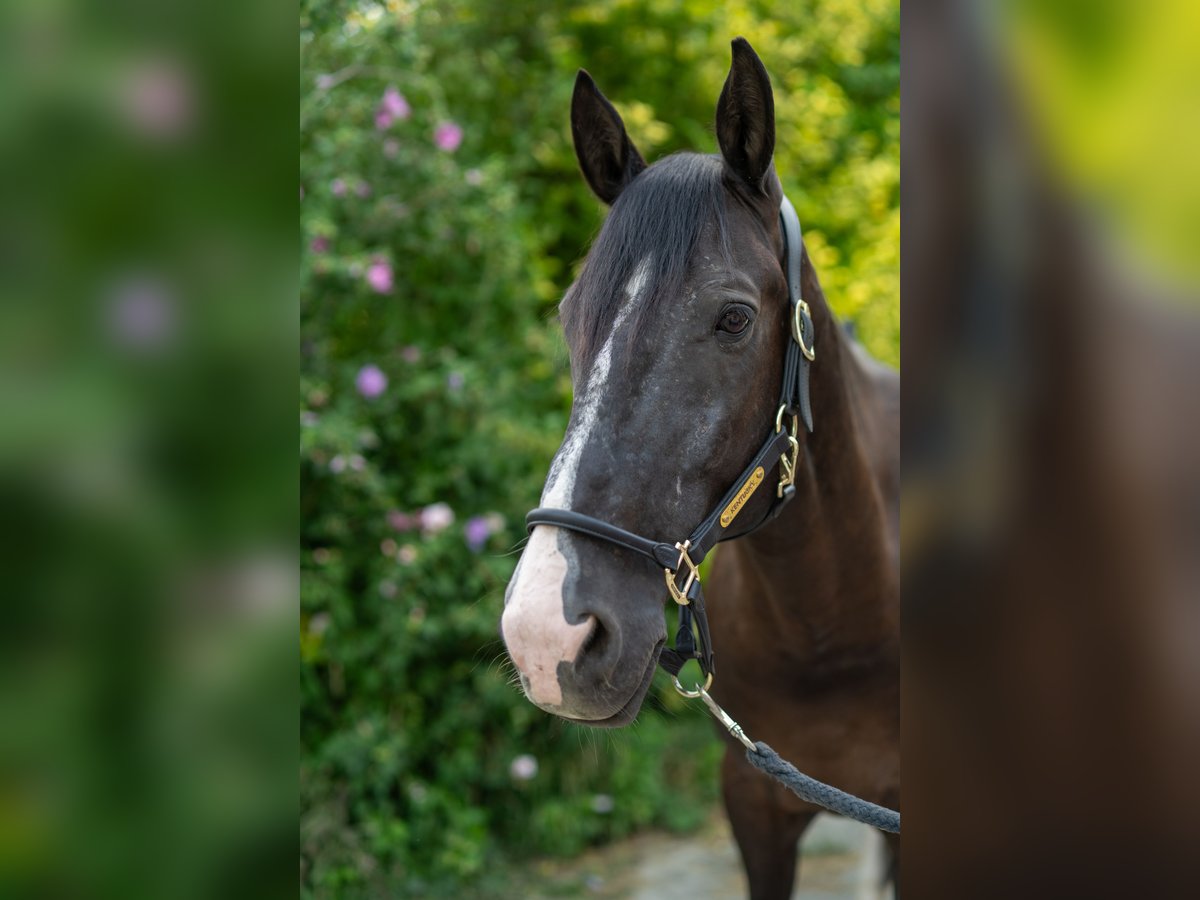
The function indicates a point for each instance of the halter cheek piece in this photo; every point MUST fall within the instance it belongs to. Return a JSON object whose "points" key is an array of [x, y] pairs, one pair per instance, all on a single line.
{"points": [[681, 560]]}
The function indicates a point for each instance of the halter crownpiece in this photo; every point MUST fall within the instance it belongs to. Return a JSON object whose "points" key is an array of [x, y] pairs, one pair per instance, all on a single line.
{"points": [[782, 447]]}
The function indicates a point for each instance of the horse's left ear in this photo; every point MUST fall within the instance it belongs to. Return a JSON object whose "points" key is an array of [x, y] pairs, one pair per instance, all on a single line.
{"points": [[746, 116], [606, 154]]}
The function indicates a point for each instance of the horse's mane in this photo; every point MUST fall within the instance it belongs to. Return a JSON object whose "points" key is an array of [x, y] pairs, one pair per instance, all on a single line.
{"points": [[658, 217]]}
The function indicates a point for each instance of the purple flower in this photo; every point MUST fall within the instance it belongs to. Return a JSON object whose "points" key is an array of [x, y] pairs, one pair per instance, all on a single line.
{"points": [[337, 465], [455, 381], [371, 382], [362, 189], [337, 187], [319, 244], [477, 530], [379, 276], [447, 136]]}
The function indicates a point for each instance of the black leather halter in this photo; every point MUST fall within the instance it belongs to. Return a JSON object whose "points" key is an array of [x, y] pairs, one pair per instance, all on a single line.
{"points": [[781, 446]]}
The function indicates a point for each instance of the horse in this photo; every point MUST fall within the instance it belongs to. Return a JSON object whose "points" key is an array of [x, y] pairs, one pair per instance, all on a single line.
{"points": [[677, 329]]}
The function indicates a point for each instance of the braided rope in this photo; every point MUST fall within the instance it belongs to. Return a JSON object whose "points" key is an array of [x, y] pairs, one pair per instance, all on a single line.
{"points": [[767, 760]]}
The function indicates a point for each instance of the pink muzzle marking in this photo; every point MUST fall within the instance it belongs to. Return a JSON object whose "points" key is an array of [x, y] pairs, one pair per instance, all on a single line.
{"points": [[534, 626]]}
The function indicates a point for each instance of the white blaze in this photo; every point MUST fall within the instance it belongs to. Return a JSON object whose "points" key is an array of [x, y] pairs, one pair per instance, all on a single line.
{"points": [[560, 483], [534, 625]]}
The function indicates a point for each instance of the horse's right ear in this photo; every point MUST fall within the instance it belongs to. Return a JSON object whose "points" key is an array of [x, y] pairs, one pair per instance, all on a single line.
{"points": [[746, 116], [606, 155]]}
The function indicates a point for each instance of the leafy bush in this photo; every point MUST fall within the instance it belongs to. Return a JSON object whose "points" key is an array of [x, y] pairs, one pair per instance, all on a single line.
{"points": [[441, 216]]}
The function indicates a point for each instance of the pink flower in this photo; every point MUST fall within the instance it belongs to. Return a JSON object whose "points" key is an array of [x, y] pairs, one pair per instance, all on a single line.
{"points": [[319, 244], [436, 517], [524, 767], [392, 107], [362, 189], [379, 276], [447, 136], [394, 102], [371, 382], [402, 521], [142, 314], [337, 187], [159, 98]]}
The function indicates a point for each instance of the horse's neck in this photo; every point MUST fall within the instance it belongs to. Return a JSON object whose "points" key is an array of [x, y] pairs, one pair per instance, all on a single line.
{"points": [[825, 562]]}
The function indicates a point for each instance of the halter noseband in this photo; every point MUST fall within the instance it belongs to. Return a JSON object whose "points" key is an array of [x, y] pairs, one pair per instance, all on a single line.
{"points": [[781, 446]]}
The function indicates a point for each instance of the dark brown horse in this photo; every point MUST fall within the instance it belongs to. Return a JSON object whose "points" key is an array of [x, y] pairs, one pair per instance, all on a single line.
{"points": [[677, 329]]}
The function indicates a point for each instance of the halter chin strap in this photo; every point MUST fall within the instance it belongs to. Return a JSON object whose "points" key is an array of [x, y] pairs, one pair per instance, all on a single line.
{"points": [[681, 560]]}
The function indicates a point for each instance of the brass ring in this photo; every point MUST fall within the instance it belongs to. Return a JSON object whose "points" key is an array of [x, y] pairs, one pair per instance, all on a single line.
{"points": [[798, 329], [779, 420]]}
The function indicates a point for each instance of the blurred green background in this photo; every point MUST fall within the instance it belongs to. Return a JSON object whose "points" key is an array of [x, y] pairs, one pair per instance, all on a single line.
{"points": [[442, 217], [148, 354]]}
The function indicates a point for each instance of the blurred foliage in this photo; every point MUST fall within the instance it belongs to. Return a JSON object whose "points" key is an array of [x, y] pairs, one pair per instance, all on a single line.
{"points": [[442, 216], [147, 454], [1108, 87]]}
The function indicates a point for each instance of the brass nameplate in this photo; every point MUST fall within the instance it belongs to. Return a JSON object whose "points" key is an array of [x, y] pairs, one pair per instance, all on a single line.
{"points": [[739, 500]]}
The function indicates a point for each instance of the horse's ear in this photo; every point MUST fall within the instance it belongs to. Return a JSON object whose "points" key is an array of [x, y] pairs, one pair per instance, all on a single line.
{"points": [[746, 116], [606, 155]]}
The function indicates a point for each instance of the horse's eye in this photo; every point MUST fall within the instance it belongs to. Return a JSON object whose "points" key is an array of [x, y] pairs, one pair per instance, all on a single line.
{"points": [[734, 320]]}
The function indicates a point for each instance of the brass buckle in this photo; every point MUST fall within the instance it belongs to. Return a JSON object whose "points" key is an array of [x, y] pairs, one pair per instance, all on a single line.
{"points": [[787, 463], [809, 351], [679, 595]]}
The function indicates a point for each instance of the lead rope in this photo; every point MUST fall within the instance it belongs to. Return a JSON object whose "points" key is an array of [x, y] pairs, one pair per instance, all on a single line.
{"points": [[762, 757]]}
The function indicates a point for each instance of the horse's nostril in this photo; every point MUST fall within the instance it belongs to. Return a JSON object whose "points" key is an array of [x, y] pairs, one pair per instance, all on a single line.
{"points": [[595, 637], [601, 649]]}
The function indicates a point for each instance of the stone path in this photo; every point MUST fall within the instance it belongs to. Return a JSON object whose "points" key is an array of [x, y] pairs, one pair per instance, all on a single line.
{"points": [[842, 860]]}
